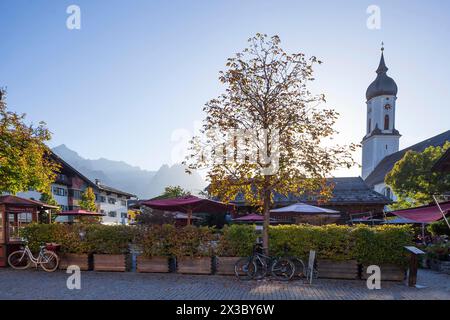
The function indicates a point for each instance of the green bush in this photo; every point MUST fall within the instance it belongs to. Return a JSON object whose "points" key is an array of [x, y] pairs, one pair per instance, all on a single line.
{"points": [[368, 245], [156, 240], [192, 241], [237, 241], [439, 251], [439, 228], [382, 244], [104, 239], [68, 236]]}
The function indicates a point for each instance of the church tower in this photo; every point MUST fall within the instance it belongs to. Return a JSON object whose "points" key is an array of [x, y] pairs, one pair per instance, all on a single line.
{"points": [[381, 137]]}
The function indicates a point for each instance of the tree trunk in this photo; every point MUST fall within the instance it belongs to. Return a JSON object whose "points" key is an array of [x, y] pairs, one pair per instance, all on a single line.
{"points": [[266, 210]]}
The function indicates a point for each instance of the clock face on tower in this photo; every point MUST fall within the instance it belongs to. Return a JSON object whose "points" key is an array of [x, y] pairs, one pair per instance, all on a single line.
{"points": [[387, 107]]}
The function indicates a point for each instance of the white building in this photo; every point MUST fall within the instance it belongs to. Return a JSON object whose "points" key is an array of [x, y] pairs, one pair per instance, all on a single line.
{"points": [[70, 185], [380, 145]]}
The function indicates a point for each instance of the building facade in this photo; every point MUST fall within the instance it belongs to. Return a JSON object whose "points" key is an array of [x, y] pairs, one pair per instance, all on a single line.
{"points": [[69, 186]]}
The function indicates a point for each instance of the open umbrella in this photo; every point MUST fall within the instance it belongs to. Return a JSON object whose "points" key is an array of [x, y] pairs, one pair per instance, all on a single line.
{"points": [[302, 211], [189, 205]]}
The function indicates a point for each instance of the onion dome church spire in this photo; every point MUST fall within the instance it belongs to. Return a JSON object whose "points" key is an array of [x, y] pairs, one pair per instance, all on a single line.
{"points": [[382, 85]]}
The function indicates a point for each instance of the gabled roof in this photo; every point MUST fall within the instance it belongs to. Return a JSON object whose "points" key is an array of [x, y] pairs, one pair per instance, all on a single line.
{"points": [[443, 164], [347, 190], [87, 180], [386, 165], [18, 201]]}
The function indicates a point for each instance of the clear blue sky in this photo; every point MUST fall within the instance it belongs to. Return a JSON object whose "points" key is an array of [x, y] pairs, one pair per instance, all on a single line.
{"points": [[139, 70]]}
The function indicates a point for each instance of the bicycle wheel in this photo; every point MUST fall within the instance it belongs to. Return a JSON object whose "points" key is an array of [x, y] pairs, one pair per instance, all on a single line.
{"points": [[19, 260], [261, 269], [283, 269], [49, 261], [244, 268], [300, 270]]}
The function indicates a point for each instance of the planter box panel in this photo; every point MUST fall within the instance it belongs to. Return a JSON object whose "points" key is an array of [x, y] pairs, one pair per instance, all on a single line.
{"points": [[338, 269], [154, 264], [80, 260], [225, 265], [200, 265], [109, 262], [388, 273]]}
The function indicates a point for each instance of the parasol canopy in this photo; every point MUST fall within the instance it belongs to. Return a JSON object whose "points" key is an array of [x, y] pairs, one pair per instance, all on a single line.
{"points": [[303, 208], [189, 204], [423, 214], [80, 212]]}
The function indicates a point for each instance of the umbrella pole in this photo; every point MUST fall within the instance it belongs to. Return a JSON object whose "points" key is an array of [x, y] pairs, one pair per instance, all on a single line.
{"points": [[189, 217]]}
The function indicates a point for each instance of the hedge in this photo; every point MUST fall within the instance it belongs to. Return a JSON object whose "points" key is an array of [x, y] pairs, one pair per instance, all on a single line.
{"points": [[368, 245], [156, 240], [236, 241]]}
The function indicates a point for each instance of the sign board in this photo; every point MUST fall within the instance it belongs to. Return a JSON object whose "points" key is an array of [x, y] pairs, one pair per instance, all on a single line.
{"points": [[414, 250]]}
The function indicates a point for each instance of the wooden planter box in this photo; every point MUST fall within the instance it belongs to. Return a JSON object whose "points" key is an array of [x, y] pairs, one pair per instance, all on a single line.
{"points": [[196, 265], [153, 264], [80, 260], [388, 273], [332, 269], [110, 262], [225, 265]]}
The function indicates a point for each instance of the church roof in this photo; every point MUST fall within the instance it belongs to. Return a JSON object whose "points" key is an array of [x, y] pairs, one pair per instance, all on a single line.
{"points": [[382, 85], [386, 165], [346, 191]]}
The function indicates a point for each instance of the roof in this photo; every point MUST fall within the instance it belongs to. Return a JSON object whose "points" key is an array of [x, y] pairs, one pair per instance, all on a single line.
{"points": [[18, 201], [347, 190], [388, 162], [89, 181], [382, 85], [443, 164]]}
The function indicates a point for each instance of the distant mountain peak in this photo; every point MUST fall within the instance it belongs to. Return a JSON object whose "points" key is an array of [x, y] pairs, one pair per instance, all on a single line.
{"points": [[132, 179]]}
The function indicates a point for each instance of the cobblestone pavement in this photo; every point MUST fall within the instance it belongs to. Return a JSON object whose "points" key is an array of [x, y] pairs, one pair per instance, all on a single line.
{"points": [[37, 284]]}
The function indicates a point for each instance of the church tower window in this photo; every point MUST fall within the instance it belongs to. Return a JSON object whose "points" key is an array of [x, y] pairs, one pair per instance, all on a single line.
{"points": [[369, 126], [386, 122]]}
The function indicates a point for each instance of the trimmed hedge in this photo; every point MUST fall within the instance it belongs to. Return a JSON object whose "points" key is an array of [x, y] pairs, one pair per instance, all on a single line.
{"points": [[368, 245], [156, 240], [236, 241]]}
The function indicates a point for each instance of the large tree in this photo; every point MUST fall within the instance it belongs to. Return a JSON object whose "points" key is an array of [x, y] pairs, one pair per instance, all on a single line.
{"points": [[25, 162], [173, 192], [412, 180], [87, 201], [267, 133]]}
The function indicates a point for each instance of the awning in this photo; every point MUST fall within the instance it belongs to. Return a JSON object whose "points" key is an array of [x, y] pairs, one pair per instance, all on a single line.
{"points": [[80, 213], [306, 209], [423, 214]]}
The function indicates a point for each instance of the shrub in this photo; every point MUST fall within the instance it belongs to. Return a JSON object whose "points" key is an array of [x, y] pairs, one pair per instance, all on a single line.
{"points": [[156, 240], [439, 251], [104, 239], [192, 241], [439, 228], [68, 236], [330, 241], [237, 241], [382, 244]]}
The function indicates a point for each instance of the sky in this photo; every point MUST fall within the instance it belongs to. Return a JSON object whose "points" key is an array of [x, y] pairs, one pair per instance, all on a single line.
{"points": [[131, 83]]}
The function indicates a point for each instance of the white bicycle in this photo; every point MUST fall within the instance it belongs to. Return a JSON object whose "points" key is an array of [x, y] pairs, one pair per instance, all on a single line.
{"points": [[23, 259]]}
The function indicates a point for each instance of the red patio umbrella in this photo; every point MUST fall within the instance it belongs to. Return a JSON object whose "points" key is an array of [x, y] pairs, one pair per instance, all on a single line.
{"points": [[423, 214], [80, 212], [188, 205]]}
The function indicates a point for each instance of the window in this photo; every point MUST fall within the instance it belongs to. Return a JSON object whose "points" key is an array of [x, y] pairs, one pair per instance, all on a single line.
{"points": [[123, 202], [111, 201], [102, 199], [386, 122], [123, 215], [387, 192], [16, 221], [369, 126], [76, 194], [57, 191], [112, 214], [64, 208]]}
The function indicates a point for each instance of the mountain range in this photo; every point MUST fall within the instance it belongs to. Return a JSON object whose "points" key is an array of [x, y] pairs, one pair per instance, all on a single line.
{"points": [[123, 176]]}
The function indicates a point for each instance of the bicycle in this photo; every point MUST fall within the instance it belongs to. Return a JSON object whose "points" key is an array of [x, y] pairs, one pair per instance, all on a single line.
{"points": [[22, 259], [257, 266]]}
